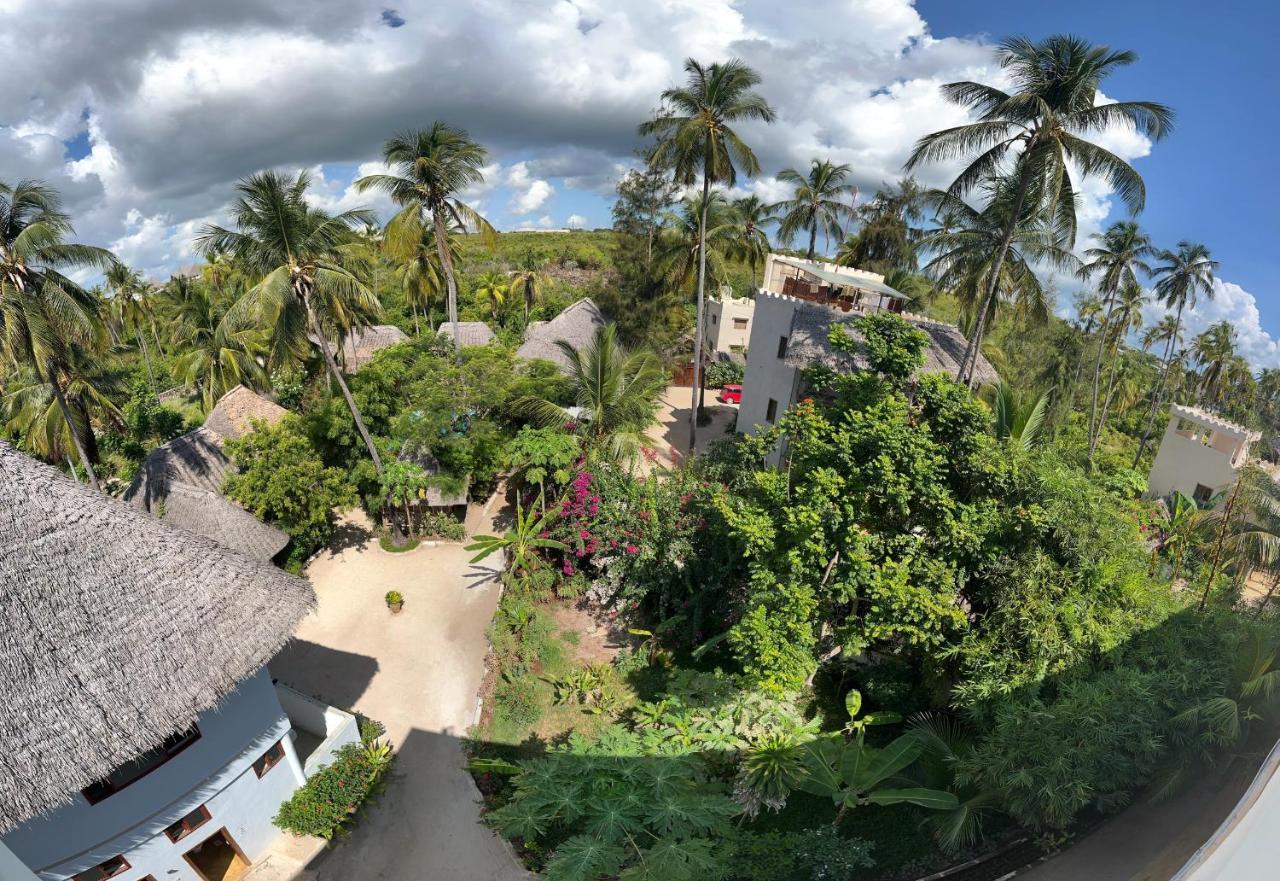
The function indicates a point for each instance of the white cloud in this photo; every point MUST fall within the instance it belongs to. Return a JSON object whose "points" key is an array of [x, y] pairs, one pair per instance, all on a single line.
{"points": [[546, 221], [1229, 302], [529, 193], [575, 221]]}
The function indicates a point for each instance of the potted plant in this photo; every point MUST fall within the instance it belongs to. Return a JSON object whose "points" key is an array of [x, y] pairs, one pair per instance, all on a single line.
{"points": [[395, 601]]}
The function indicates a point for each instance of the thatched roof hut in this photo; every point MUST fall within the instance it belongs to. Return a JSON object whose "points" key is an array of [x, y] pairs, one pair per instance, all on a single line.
{"points": [[363, 343], [809, 344], [471, 333], [181, 481], [576, 325], [119, 630]]}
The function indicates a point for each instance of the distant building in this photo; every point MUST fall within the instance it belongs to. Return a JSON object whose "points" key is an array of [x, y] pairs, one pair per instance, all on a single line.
{"points": [[181, 481], [728, 322], [142, 735], [472, 333], [1200, 454], [791, 321], [576, 325]]}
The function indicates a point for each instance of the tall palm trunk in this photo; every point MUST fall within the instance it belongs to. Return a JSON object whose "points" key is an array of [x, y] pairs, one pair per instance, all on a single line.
{"points": [[336, 374], [1106, 403], [1075, 380], [71, 427], [813, 240], [1220, 542], [417, 331], [1159, 390], [451, 286], [970, 360], [695, 401], [1097, 373], [146, 357]]}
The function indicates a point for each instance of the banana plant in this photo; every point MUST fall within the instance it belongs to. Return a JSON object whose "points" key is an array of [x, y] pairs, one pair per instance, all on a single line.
{"points": [[522, 541], [853, 774]]}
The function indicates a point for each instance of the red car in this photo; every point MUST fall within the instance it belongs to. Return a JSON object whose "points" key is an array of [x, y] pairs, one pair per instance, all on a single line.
{"points": [[731, 393]]}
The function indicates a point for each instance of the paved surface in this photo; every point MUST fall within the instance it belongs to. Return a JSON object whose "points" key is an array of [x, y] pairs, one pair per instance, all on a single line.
{"points": [[1149, 842], [671, 432], [418, 673]]}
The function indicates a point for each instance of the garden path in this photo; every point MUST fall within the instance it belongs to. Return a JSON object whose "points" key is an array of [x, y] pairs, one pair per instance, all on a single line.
{"points": [[418, 673]]}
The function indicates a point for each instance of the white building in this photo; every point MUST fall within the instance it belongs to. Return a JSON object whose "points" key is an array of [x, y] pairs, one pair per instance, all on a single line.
{"points": [[728, 322], [1199, 456], [793, 316], [142, 738]]}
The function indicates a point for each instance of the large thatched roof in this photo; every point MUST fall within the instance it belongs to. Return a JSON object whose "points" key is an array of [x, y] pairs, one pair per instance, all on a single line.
{"points": [[472, 333], [363, 343], [118, 631], [809, 344], [576, 325], [181, 481]]}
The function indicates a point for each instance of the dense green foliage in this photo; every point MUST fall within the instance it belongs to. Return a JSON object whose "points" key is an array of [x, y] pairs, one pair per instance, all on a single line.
{"points": [[329, 799]]}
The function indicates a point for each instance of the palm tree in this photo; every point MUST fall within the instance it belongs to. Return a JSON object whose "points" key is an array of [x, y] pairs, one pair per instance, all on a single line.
{"points": [[527, 281], [1213, 351], [1179, 279], [1126, 318], [307, 262], [491, 288], [822, 201], [887, 238], [1040, 131], [1166, 331], [432, 168], [418, 271], [695, 139], [748, 240], [43, 313], [130, 307], [678, 250], [615, 391], [965, 255], [1019, 423], [91, 388], [1115, 261], [214, 358]]}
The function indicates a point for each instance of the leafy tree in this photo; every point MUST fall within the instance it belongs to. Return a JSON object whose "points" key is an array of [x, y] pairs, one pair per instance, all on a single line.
{"points": [[616, 391], [521, 542], [432, 168], [695, 139], [538, 453], [887, 238], [282, 480], [418, 270], [308, 268], [528, 281], [1041, 129], [749, 240], [214, 358], [822, 202], [491, 288], [651, 818], [1020, 424], [43, 313], [1213, 351]]}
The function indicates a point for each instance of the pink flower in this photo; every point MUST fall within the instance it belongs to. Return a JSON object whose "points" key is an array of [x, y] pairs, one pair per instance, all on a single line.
{"points": [[582, 533], [568, 568], [632, 549], [613, 542]]}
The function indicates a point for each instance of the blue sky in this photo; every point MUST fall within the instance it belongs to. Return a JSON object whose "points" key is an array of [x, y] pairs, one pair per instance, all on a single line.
{"points": [[1214, 179]]}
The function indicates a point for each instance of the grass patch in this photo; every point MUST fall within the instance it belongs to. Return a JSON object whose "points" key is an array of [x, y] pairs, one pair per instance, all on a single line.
{"points": [[388, 544], [572, 637]]}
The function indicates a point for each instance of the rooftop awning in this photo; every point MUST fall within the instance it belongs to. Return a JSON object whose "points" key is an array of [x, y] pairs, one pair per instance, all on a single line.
{"points": [[844, 281]]}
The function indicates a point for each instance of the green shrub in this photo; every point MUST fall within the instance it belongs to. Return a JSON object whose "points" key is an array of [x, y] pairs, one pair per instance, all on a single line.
{"points": [[330, 797], [812, 855], [389, 544], [437, 524], [516, 700], [723, 373]]}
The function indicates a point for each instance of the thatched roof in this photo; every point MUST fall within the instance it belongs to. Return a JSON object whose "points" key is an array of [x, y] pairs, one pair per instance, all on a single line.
{"points": [[472, 333], [421, 455], [363, 343], [118, 631], [809, 344], [576, 325], [181, 480], [232, 417]]}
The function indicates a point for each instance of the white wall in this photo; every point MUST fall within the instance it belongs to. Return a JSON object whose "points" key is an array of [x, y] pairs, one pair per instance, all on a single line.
{"points": [[722, 335], [766, 375], [1182, 462], [12, 868], [215, 771], [336, 728]]}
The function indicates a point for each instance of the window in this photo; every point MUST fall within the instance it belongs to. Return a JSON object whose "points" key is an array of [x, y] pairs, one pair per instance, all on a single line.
{"points": [[771, 411], [782, 347], [1203, 493], [269, 759], [188, 824], [715, 319], [141, 766], [102, 871], [739, 324]]}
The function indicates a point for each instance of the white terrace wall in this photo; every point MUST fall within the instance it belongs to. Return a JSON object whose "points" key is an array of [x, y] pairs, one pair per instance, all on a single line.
{"points": [[1184, 461], [216, 771], [767, 376], [336, 728]]}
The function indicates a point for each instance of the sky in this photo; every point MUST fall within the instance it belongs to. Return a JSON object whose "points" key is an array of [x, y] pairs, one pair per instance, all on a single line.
{"points": [[144, 113]]}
